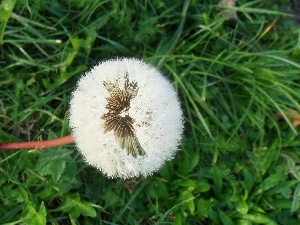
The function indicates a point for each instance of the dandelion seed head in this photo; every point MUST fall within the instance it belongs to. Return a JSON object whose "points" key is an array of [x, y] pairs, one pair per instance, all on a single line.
{"points": [[125, 118]]}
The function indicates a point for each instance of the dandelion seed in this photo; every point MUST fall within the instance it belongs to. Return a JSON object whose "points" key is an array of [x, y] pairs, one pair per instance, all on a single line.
{"points": [[125, 118]]}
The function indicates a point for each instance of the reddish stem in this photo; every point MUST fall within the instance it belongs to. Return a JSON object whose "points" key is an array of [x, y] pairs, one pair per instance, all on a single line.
{"points": [[39, 144]]}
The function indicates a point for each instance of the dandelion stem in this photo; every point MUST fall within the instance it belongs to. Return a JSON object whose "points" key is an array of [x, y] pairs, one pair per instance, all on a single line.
{"points": [[38, 144]]}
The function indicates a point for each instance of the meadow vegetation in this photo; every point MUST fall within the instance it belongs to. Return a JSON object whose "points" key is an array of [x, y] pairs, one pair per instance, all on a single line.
{"points": [[239, 86]]}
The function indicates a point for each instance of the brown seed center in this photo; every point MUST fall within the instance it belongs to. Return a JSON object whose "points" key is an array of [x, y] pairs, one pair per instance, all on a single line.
{"points": [[117, 118]]}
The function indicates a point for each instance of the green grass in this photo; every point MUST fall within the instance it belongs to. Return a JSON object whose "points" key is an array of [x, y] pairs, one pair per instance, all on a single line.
{"points": [[239, 164]]}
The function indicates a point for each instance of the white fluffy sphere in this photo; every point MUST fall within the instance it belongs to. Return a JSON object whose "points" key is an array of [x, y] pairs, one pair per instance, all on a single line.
{"points": [[125, 118]]}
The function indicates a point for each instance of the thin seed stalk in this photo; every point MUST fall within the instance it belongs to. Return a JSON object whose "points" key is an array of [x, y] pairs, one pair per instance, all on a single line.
{"points": [[38, 144]]}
